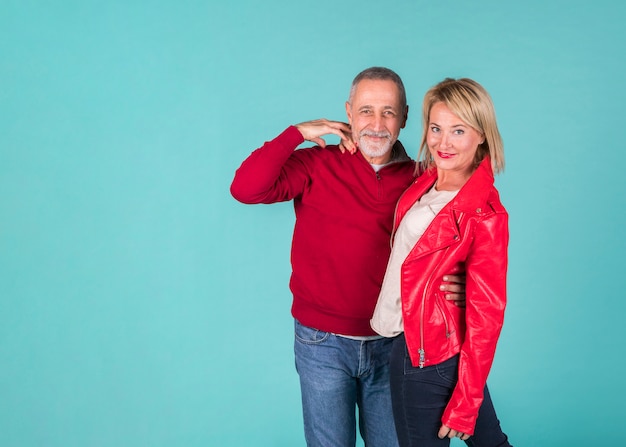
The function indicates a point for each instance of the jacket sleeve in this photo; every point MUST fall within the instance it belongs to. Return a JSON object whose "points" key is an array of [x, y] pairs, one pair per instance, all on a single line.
{"points": [[271, 173], [486, 268]]}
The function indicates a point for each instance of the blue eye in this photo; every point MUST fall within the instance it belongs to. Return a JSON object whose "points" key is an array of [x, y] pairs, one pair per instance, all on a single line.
{"points": [[459, 132], [434, 129]]}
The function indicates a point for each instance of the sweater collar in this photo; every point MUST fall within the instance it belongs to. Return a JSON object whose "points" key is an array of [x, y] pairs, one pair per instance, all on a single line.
{"points": [[398, 154]]}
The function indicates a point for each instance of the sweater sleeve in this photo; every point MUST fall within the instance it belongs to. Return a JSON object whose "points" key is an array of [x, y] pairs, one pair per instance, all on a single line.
{"points": [[268, 175], [486, 268]]}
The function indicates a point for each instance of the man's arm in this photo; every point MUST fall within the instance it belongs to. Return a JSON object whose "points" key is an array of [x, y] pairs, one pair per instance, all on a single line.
{"points": [[270, 174]]}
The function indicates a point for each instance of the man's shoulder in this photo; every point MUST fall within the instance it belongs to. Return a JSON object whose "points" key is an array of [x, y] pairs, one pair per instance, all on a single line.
{"points": [[328, 154]]}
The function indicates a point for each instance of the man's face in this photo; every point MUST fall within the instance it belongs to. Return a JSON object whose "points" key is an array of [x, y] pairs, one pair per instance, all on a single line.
{"points": [[376, 116]]}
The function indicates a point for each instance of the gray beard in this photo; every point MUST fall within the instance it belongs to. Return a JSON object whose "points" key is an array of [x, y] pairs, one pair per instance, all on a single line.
{"points": [[375, 150]]}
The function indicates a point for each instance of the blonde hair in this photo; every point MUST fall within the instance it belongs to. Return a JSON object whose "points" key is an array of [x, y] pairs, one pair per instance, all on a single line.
{"points": [[468, 100]]}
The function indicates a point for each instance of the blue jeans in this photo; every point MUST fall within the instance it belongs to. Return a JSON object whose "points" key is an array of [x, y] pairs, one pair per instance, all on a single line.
{"points": [[420, 395], [337, 376]]}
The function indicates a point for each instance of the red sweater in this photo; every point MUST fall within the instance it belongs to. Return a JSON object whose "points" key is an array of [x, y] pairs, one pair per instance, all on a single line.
{"points": [[344, 215]]}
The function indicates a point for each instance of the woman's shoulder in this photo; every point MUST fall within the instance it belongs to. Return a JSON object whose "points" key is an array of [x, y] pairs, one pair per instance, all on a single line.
{"points": [[494, 203]]}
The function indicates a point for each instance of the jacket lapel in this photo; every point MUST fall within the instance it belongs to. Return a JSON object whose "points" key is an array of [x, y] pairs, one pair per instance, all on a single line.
{"points": [[444, 229]]}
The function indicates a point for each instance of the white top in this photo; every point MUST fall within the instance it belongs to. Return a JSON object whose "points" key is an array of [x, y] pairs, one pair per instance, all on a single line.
{"points": [[387, 318]]}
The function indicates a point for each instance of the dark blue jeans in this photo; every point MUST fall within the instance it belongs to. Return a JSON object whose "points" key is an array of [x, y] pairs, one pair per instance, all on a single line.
{"points": [[420, 395]]}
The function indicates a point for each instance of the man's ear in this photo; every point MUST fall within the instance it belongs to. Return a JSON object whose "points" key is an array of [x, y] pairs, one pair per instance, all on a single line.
{"points": [[349, 112], [406, 117]]}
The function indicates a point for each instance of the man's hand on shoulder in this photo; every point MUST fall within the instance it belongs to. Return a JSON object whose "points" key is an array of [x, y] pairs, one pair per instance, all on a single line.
{"points": [[314, 130]]}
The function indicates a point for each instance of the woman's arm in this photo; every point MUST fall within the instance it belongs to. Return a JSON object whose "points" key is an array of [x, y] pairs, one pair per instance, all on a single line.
{"points": [[486, 268]]}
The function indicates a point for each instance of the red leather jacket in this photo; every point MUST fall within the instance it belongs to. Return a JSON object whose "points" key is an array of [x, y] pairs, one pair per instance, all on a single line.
{"points": [[469, 234]]}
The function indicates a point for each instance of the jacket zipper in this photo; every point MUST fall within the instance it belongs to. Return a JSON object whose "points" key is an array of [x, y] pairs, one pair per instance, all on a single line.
{"points": [[421, 351], [444, 316]]}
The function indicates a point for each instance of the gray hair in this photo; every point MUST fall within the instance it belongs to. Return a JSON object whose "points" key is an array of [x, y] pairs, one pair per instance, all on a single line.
{"points": [[380, 74]]}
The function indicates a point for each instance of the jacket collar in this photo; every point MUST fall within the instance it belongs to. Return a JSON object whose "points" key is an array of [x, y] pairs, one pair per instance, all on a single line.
{"points": [[476, 190], [470, 198]]}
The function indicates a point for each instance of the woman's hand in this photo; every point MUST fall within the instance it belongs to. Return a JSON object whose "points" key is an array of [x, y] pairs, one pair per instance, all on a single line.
{"points": [[347, 145], [451, 433]]}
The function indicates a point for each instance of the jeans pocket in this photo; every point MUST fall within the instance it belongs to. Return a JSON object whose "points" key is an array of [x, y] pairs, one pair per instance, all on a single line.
{"points": [[449, 370], [308, 335]]}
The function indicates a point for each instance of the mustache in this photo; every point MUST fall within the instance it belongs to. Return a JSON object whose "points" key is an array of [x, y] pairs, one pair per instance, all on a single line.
{"points": [[371, 133]]}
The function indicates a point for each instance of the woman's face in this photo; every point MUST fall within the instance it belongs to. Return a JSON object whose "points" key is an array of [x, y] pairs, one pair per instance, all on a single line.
{"points": [[451, 142]]}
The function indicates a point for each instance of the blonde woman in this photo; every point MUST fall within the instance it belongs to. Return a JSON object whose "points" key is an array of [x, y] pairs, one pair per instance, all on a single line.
{"points": [[449, 220]]}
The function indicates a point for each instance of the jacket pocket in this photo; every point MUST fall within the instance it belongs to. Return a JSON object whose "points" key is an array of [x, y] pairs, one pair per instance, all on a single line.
{"points": [[451, 319]]}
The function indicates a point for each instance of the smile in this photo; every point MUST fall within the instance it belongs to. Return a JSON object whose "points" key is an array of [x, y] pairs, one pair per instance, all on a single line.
{"points": [[445, 154], [377, 135]]}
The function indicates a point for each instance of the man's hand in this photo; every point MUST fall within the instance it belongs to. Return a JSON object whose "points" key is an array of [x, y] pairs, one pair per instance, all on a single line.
{"points": [[314, 130], [451, 433], [454, 286]]}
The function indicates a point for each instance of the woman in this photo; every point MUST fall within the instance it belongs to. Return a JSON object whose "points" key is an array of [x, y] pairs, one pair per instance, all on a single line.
{"points": [[449, 220]]}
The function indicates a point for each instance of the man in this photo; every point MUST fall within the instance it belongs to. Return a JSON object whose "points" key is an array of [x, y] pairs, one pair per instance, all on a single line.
{"points": [[344, 198]]}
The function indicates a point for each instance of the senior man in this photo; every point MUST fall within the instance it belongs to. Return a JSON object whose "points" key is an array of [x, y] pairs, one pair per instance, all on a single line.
{"points": [[344, 197]]}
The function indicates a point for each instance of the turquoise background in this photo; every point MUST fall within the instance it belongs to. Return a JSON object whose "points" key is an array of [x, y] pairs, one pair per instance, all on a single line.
{"points": [[140, 305]]}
